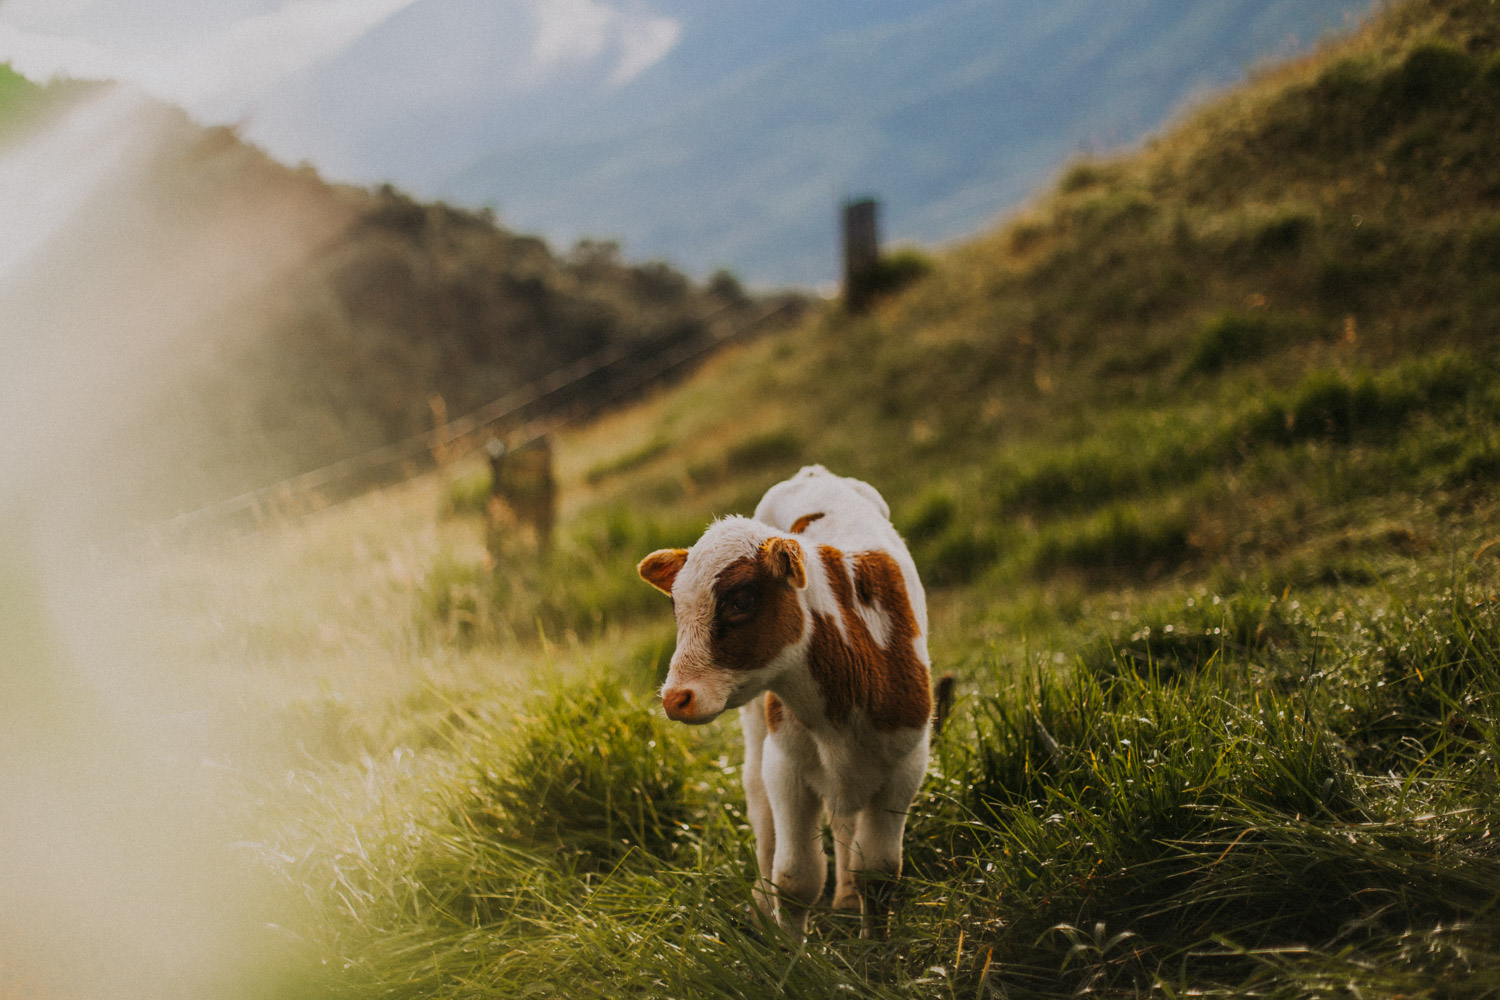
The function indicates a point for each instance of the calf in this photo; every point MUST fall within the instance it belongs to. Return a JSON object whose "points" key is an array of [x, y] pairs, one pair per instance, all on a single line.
{"points": [[810, 620]]}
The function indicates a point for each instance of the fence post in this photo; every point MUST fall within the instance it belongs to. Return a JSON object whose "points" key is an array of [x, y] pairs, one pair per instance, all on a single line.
{"points": [[861, 252]]}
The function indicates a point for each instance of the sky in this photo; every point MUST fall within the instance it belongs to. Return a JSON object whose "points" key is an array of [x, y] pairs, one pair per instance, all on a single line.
{"points": [[223, 60]]}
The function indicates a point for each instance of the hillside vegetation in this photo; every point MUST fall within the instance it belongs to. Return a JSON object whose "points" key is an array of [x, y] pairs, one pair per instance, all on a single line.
{"points": [[366, 308], [1198, 459]]}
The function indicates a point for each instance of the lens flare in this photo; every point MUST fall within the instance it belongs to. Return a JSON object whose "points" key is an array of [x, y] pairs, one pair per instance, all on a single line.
{"points": [[120, 277]]}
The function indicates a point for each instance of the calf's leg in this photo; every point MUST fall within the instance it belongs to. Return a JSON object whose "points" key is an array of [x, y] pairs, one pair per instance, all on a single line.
{"points": [[845, 892], [758, 803], [798, 867], [876, 853]]}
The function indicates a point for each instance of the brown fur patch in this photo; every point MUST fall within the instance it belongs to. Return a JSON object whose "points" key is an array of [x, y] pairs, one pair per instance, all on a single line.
{"points": [[750, 641], [800, 525], [889, 685], [775, 712]]}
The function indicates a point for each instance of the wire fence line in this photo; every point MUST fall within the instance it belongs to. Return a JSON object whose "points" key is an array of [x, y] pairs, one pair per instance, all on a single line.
{"points": [[619, 370]]}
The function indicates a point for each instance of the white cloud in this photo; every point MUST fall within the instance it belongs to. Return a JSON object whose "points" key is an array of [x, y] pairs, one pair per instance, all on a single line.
{"points": [[569, 30], [644, 42], [587, 30]]}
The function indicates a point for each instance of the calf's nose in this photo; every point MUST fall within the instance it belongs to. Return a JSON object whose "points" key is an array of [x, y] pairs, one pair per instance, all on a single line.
{"points": [[678, 703]]}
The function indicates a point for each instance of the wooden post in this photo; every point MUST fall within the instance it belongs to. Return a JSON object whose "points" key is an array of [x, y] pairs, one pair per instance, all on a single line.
{"points": [[495, 449], [861, 252]]}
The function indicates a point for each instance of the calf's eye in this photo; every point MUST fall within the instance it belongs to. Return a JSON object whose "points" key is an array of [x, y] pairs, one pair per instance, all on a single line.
{"points": [[741, 603]]}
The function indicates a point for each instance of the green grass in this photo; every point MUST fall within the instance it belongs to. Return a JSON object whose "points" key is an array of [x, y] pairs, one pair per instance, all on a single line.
{"points": [[1197, 461], [1249, 793]]}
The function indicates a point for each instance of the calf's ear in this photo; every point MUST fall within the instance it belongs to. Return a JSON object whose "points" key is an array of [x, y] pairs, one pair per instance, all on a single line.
{"points": [[782, 559], [660, 568]]}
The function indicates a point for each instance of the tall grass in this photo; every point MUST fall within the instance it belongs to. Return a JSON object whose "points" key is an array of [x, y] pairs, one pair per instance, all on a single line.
{"points": [[1241, 797]]}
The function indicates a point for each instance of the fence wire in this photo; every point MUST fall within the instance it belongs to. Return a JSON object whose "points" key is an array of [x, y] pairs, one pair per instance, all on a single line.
{"points": [[534, 410]]}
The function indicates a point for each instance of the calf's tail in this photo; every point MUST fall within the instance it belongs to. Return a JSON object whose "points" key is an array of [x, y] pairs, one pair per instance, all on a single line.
{"points": [[942, 702]]}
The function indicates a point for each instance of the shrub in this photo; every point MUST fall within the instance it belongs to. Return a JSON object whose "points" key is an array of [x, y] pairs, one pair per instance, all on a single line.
{"points": [[759, 451], [1118, 540], [1230, 338], [1082, 175], [1346, 79], [1479, 462], [895, 270], [1329, 405], [929, 517], [948, 549], [1432, 73], [1481, 246], [1071, 479], [629, 461], [1128, 208], [958, 555], [724, 286], [1283, 231], [592, 772], [1489, 76]]}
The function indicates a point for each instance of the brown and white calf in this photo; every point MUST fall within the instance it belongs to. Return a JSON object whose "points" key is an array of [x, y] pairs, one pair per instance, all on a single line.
{"points": [[809, 618]]}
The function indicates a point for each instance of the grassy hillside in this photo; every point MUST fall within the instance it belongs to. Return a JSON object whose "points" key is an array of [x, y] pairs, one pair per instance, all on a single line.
{"points": [[1220, 355], [1198, 459]]}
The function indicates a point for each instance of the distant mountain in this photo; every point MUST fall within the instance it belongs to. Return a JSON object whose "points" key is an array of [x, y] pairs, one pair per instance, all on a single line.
{"points": [[443, 83], [734, 149]]}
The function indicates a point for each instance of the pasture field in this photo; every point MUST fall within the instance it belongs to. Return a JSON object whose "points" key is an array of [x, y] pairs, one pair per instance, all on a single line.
{"points": [[1198, 460], [1268, 773]]}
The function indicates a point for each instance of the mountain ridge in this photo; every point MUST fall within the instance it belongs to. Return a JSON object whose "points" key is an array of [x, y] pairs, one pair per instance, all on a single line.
{"points": [[781, 185]]}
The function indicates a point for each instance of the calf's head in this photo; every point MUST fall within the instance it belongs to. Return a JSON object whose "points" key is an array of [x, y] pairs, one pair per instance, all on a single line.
{"points": [[740, 617]]}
